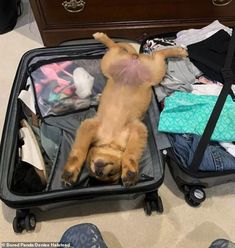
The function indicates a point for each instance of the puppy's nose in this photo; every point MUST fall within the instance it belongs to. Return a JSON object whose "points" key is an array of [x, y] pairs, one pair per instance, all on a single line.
{"points": [[99, 173], [99, 165]]}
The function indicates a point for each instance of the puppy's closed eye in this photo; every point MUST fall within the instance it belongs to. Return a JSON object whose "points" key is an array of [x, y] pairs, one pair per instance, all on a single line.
{"points": [[112, 173]]}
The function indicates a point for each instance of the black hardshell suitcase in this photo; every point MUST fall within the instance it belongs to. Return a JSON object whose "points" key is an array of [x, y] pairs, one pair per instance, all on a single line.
{"points": [[9, 155], [190, 180]]}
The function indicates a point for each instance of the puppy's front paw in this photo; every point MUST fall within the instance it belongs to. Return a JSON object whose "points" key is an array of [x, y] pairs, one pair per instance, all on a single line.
{"points": [[69, 177], [70, 173], [129, 172]]}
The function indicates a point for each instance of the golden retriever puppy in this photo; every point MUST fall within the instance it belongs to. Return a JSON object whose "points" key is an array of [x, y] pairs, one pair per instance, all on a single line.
{"points": [[113, 141]]}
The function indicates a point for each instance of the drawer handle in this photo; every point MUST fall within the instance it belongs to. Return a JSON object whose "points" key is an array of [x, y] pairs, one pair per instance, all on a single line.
{"points": [[221, 2], [74, 5]]}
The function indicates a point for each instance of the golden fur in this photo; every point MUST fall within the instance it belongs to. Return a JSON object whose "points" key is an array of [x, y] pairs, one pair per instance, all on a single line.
{"points": [[113, 141]]}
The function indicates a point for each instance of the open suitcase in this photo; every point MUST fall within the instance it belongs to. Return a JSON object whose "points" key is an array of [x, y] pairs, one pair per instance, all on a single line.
{"points": [[36, 69], [190, 179]]}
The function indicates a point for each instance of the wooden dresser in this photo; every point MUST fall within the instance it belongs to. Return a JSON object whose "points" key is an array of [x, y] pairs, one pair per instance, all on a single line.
{"points": [[64, 20]]}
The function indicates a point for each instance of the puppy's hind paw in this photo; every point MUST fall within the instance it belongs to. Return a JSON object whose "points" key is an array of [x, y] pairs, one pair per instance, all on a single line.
{"points": [[183, 52], [98, 35]]}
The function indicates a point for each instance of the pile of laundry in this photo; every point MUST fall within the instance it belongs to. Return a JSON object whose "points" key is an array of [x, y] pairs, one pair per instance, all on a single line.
{"points": [[189, 92]]}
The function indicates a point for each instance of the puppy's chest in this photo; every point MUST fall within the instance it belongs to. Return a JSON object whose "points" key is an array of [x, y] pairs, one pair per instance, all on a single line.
{"points": [[107, 134]]}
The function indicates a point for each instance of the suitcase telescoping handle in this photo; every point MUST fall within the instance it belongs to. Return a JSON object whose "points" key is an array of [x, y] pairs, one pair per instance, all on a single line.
{"points": [[229, 79]]}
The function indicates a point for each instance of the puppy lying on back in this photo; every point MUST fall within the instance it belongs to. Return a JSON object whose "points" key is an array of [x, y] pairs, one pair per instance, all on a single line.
{"points": [[113, 141]]}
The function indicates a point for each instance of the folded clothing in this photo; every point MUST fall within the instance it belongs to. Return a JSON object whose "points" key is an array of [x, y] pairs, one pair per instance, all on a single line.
{"points": [[190, 36], [189, 113], [209, 55], [215, 157], [26, 179]]}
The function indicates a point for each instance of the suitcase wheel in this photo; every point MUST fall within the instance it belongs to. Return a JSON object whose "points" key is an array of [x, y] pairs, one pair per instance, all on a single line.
{"points": [[153, 202], [147, 208], [17, 226], [30, 222], [194, 196], [159, 205], [24, 220]]}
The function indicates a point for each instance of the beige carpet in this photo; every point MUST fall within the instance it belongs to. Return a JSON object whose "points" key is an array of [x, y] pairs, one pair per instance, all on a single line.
{"points": [[123, 224]]}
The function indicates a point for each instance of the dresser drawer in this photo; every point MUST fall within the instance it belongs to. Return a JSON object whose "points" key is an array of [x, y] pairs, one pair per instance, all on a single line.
{"points": [[62, 20], [64, 13]]}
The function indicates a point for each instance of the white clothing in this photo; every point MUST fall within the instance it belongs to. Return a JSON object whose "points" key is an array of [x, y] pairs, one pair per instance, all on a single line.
{"points": [[191, 36]]}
